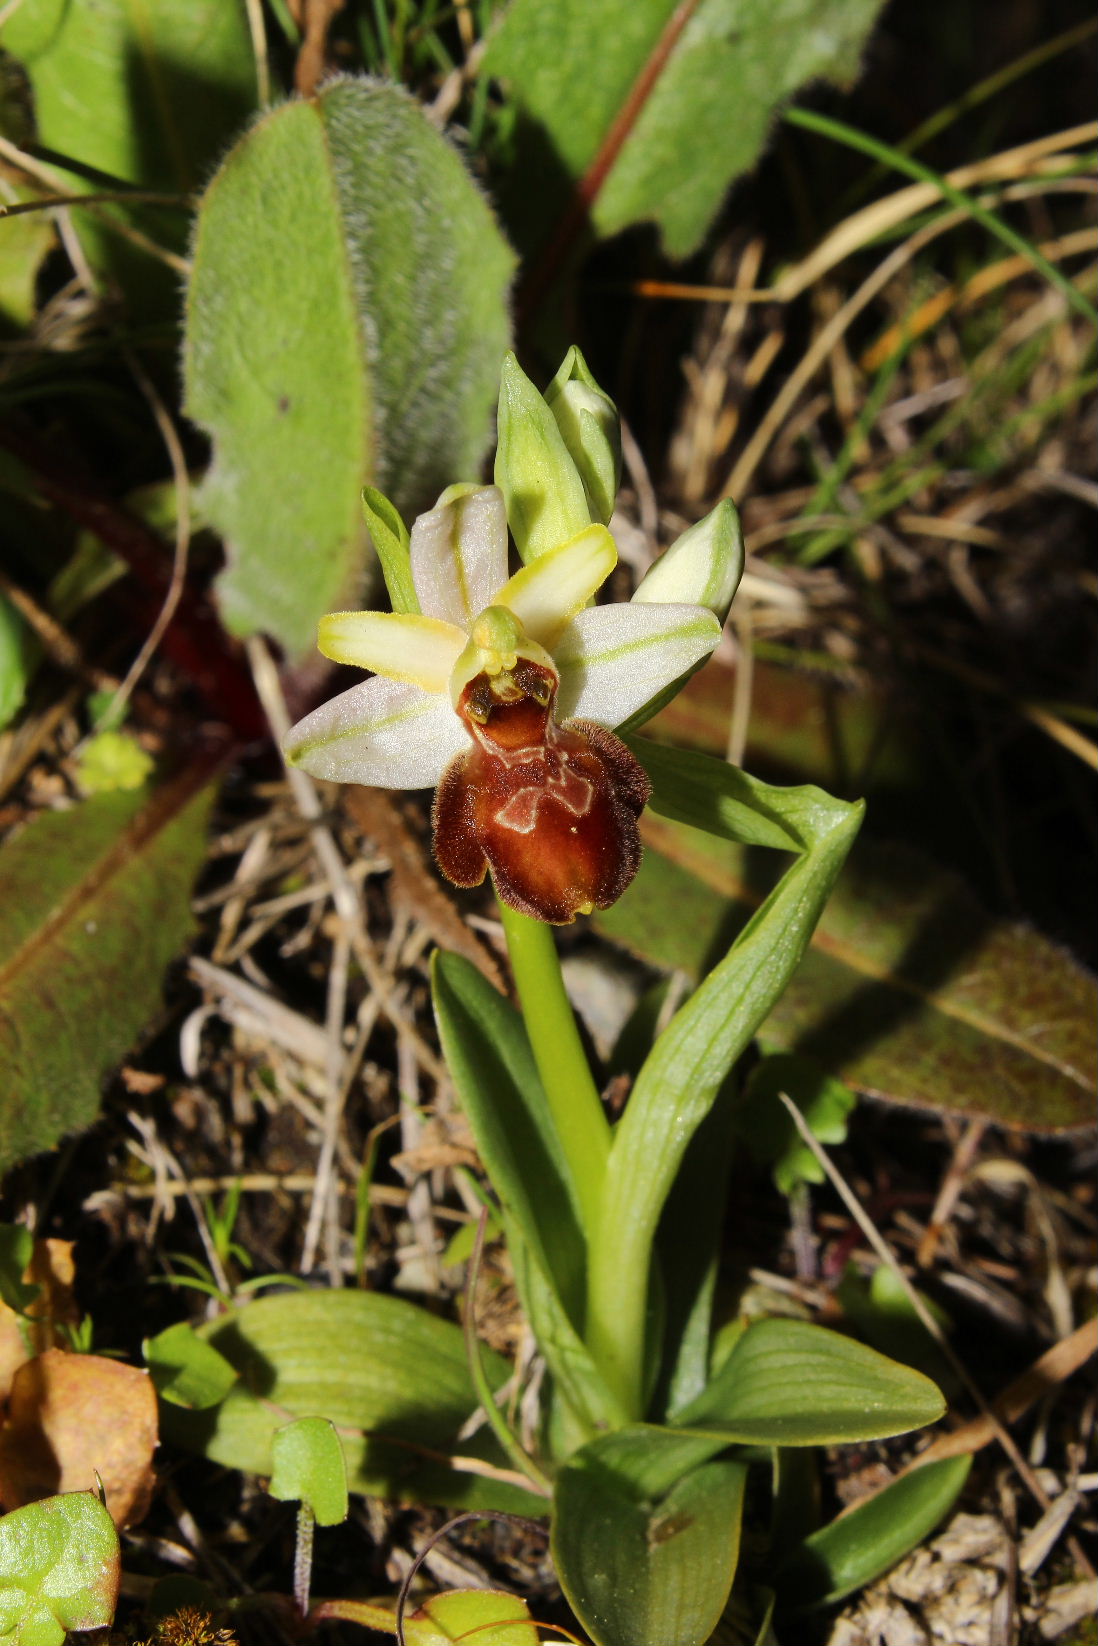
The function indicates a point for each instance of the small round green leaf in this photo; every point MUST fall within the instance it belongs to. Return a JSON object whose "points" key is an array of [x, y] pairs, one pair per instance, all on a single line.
{"points": [[186, 1370], [307, 1466]]}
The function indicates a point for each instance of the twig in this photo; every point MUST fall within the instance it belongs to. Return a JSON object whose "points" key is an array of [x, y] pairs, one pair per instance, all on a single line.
{"points": [[182, 532]]}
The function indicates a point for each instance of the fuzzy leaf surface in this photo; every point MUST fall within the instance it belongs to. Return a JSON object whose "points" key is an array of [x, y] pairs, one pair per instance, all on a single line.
{"points": [[345, 324], [910, 992], [646, 1532], [571, 67], [94, 903], [392, 1379]]}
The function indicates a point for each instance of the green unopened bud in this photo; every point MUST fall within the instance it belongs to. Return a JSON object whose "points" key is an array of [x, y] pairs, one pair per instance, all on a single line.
{"points": [[545, 497], [588, 420], [702, 567]]}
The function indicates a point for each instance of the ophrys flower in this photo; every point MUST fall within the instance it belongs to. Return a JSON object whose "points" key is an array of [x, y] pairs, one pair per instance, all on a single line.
{"points": [[502, 692]]}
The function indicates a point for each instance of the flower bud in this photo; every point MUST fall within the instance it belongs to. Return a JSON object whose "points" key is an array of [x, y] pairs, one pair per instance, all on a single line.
{"points": [[545, 497], [588, 420], [702, 567]]}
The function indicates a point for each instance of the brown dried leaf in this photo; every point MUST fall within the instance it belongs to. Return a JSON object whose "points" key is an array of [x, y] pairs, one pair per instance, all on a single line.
{"points": [[71, 1417]]}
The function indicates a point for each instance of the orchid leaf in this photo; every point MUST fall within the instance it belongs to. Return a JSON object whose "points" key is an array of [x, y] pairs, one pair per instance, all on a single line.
{"points": [[392, 1379], [388, 379], [16, 655], [863, 1543], [683, 1073], [94, 903], [572, 68], [488, 1053], [790, 1383], [646, 1531]]}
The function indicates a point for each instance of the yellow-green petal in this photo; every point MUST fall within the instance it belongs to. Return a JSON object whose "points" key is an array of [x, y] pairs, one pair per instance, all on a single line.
{"points": [[421, 650], [547, 594]]}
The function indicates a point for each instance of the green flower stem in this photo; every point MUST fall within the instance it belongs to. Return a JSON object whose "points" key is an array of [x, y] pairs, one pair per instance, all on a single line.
{"points": [[581, 1124]]}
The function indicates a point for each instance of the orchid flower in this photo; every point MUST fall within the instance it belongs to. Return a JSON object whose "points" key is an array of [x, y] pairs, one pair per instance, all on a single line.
{"points": [[501, 692]]}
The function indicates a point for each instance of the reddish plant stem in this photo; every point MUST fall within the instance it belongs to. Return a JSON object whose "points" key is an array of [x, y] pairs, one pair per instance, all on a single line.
{"points": [[194, 640]]}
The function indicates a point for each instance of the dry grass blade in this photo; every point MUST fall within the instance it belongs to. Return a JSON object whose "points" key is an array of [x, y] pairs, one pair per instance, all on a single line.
{"points": [[1027, 160]]}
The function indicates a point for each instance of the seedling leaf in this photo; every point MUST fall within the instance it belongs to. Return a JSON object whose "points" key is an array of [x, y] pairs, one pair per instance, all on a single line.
{"points": [[59, 1569], [307, 1467]]}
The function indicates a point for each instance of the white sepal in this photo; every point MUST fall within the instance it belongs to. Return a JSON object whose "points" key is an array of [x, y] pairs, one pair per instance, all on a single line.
{"points": [[615, 659], [384, 733]]}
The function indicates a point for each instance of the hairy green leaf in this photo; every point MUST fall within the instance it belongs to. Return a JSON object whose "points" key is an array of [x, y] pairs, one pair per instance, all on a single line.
{"points": [[646, 1531], [860, 1545], [345, 324], [94, 903], [391, 1377], [572, 68], [910, 991], [59, 1569], [789, 1383]]}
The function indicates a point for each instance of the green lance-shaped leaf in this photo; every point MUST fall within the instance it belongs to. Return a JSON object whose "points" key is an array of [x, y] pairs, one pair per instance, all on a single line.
{"points": [[790, 1383], [94, 903], [391, 1377], [682, 1075], [571, 67], [59, 1569], [860, 1545], [646, 1532], [345, 323], [488, 1054], [307, 1466]]}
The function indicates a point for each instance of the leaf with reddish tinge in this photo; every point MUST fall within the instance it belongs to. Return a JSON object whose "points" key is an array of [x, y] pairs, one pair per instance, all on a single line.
{"points": [[59, 1570], [94, 903], [910, 992], [72, 1417], [692, 104]]}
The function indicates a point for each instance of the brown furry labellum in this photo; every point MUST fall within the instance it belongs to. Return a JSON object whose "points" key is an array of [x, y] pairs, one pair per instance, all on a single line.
{"points": [[551, 809]]}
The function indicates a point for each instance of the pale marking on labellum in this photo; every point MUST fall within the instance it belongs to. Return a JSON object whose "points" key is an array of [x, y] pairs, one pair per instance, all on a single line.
{"points": [[573, 792]]}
